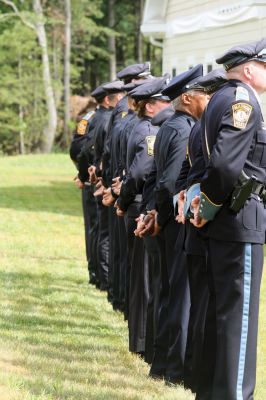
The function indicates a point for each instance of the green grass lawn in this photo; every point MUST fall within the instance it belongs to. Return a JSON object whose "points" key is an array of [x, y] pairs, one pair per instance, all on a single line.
{"points": [[59, 337]]}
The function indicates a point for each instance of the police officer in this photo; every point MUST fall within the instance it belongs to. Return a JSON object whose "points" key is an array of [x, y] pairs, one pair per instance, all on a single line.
{"points": [[139, 160], [118, 254], [119, 153], [153, 250], [192, 169], [79, 139], [94, 152], [170, 151], [230, 204]]}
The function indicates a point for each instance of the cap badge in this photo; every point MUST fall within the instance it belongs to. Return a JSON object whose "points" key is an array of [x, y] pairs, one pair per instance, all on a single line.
{"points": [[150, 144]]}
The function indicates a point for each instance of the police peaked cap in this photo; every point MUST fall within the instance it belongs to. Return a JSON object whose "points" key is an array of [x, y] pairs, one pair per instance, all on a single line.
{"points": [[99, 93], [113, 87], [133, 85], [183, 82], [163, 115], [152, 89], [135, 71], [212, 81], [237, 55]]}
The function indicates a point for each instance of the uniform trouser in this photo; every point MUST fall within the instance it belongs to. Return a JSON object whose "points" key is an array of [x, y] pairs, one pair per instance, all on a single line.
{"points": [[179, 305], [162, 336], [152, 249], [103, 244], [91, 229], [138, 284], [130, 224], [236, 270], [112, 220], [174, 306], [199, 296], [123, 261], [115, 261]]}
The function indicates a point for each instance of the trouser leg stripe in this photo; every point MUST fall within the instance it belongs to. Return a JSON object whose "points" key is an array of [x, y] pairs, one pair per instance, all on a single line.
{"points": [[245, 321]]}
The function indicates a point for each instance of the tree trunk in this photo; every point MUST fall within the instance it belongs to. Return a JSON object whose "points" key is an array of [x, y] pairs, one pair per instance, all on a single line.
{"points": [[67, 70], [111, 40], [55, 69], [140, 37], [21, 114], [50, 129]]}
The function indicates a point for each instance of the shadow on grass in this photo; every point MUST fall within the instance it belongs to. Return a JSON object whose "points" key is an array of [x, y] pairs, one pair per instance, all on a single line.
{"points": [[58, 197], [69, 343]]}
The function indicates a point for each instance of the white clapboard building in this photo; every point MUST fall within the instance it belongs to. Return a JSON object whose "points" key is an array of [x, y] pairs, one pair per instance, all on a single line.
{"points": [[192, 31]]}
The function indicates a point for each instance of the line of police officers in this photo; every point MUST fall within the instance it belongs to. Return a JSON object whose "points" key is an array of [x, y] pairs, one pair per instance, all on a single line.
{"points": [[173, 187]]}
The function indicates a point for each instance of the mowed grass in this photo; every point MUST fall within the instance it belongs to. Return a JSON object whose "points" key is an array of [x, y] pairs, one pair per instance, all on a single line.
{"points": [[59, 337]]}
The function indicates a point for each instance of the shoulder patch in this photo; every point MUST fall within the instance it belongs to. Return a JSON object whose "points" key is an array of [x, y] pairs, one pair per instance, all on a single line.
{"points": [[82, 125], [150, 144], [241, 114], [123, 114], [242, 93]]}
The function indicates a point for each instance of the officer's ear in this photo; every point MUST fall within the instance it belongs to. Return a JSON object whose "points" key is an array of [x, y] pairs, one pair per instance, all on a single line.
{"points": [[248, 71], [107, 101], [149, 107], [186, 98]]}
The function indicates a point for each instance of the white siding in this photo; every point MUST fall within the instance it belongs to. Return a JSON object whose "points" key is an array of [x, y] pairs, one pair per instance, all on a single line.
{"points": [[182, 51]]}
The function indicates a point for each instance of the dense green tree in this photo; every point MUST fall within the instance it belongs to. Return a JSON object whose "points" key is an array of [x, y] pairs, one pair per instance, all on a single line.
{"points": [[24, 110]]}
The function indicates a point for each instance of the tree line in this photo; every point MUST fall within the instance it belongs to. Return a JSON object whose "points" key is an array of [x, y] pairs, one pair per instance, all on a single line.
{"points": [[51, 50]]}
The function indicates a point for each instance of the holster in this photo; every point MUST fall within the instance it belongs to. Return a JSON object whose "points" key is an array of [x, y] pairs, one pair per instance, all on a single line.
{"points": [[244, 188]]}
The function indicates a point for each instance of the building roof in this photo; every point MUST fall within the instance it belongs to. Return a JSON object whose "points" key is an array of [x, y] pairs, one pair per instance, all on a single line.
{"points": [[155, 12]]}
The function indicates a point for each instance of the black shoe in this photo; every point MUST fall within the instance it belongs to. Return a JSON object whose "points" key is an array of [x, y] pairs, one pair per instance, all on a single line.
{"points": [[103, 288], [92, 280], [156, 377], [173, 382]]}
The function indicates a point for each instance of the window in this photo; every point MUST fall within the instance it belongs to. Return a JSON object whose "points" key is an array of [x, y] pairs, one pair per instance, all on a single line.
{"points": [[209, 68]]}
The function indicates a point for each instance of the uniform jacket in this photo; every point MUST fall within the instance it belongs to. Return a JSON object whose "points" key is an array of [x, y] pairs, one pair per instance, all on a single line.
{"points": [[99, 135], [114, 125], [234, 139], [169, 154], [140, 150], [192, 170]]}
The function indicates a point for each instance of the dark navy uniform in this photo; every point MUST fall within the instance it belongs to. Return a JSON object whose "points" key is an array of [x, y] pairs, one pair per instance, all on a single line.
{"points": [[234, 147], [127, 125], [118, 112], [118, 256], [193, 169], [170, 151], [195, 249], [139, 161], [153, 250], [103, 245], [235, 239], [80, 139], [126, 128]]}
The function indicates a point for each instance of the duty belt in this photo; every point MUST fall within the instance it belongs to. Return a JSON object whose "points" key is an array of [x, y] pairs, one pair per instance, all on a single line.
{"points": [[260, 190], [246, 186]]}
